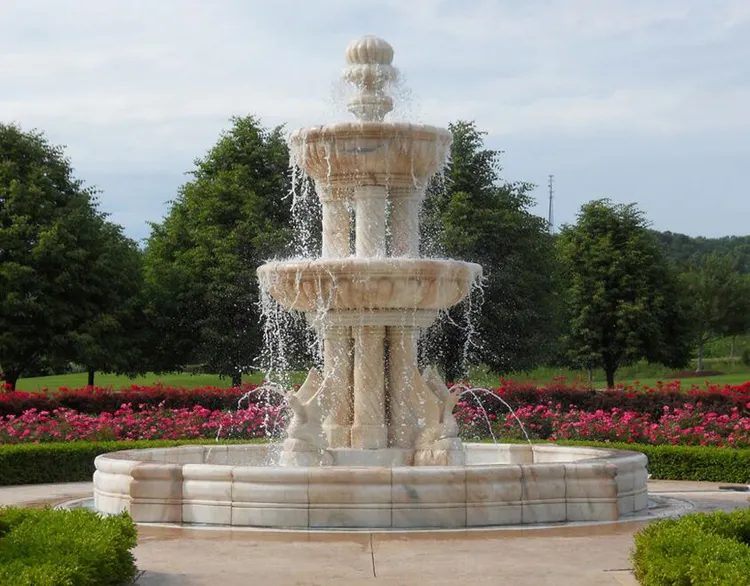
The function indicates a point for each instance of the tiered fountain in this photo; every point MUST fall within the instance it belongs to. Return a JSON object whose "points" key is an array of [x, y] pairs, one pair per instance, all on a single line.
{"points": [[372, 441], [369, 307]]}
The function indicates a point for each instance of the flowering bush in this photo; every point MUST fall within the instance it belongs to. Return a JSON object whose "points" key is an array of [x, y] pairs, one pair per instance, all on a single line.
{"points": [[643, 399], [709, 397], [144, 423], [104, 399], [685, 425]]}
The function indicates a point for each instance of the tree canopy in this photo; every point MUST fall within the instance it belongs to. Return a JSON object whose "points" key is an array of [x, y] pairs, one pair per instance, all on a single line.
{"points": [[201, 260], [59, 264], [686, 250], [623, 298], [719, 299], [472, 214]]}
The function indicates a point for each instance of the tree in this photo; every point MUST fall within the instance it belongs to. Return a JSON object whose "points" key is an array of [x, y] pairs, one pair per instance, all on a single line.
{"points": [[50, 236], [114, 336], [472, 214], [201, 261], [720, 300], [623, 296]]}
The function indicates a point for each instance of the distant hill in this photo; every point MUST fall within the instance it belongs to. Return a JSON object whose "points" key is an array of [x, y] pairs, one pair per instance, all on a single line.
{"points": [[684, 249]]}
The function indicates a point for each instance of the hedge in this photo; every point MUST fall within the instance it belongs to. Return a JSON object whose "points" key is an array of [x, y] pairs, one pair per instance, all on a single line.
{"points": [[74, 462], [67, 462], [699, 549], [65, 548], [707, 463]]}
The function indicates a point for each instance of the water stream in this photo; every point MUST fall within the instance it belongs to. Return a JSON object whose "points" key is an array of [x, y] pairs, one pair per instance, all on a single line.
{"points": [[463, 389]]}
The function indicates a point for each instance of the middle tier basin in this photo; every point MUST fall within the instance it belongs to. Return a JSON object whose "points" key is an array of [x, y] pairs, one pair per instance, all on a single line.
{"points": [[363, 284]]}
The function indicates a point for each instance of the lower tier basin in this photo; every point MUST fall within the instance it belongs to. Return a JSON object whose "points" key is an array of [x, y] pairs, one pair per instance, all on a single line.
{"points": [[502, 484], [359, 284]]}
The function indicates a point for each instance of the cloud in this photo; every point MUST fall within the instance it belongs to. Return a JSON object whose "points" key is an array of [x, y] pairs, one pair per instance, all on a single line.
{"points": [[136, 87]]}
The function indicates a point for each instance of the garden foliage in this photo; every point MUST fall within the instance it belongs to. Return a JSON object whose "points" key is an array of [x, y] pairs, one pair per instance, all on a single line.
{"points": [[94, 400], [696, 550], [74, 461], [65, 548]]}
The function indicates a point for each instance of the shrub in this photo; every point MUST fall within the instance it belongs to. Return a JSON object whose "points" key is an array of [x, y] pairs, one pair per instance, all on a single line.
{"points": [[65, 548], [709, 464], [679, 426], [700, 549], [105, 399], [646, 400], [64, 462]]}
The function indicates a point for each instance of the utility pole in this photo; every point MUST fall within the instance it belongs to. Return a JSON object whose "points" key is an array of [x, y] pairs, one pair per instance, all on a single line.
{"points": [[551, 212]]}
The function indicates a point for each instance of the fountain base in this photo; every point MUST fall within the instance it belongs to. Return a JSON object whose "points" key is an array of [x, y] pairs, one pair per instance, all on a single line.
{"points": [[242, 485]]}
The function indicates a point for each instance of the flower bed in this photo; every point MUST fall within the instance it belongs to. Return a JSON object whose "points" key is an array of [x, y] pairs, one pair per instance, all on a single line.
{"points": [[94, 400], [688, 425], [719, 399], [144, 423], [105, 399]]}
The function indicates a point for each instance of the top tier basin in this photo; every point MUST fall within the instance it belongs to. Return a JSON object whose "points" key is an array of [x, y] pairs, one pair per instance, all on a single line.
{"points": [[394, 155]]}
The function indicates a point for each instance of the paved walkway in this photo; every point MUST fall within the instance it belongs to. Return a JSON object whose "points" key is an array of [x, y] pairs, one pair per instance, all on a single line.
{"points": [[571, 556]]}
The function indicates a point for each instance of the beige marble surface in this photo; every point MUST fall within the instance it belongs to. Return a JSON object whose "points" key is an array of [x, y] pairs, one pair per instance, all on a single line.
{"points": [[168, 486]]}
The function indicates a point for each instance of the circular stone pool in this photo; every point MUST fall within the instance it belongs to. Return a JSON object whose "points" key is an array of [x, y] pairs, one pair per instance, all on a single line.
{"points": [[501, 484]]}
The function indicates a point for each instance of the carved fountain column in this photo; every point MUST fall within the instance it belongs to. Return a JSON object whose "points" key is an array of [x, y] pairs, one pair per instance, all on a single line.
{"points": [[338, 376], [405, 204], [336, 220], [402, 360], [369, 202], [369, 429]]}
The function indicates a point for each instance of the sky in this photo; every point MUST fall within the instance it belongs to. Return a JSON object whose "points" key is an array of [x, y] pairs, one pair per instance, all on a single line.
{"points": [[638, 101]]}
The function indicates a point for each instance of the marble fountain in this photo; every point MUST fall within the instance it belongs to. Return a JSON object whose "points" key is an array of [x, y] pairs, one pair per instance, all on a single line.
{"points": [[372, 442]]}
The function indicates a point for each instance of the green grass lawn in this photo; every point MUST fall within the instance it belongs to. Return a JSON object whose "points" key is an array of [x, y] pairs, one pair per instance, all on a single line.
{"points": [[733, 374], [481, 379], [117, 382]]}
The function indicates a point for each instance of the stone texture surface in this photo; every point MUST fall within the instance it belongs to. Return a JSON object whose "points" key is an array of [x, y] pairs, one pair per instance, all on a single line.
{"points": [[368, 492], [365, 284]]}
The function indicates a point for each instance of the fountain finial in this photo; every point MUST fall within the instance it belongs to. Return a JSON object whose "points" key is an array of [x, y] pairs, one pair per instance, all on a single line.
{"points": [[369, 69]]}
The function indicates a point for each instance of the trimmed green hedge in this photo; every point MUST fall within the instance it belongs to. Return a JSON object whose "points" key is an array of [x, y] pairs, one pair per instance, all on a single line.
{"points": [[65, 548], [67, 462], [74, 462], [707, 463], [700, 549]]}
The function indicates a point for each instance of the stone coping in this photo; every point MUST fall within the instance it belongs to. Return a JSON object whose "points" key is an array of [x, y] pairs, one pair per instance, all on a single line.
{"points": [[230, 485]]}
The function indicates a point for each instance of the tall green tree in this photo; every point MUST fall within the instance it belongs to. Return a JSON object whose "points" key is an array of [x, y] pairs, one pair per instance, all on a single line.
{"points": [[720, 300], [472, 214], [201, 260], [623, 296], [51, 262], [114, 336]]}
